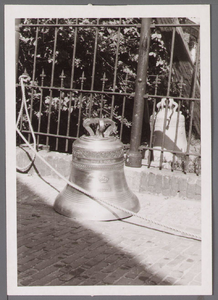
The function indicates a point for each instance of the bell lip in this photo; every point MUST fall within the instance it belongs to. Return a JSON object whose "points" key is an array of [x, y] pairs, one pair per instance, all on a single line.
{"points": [[95, 219], [104, 217], [82, 210]]}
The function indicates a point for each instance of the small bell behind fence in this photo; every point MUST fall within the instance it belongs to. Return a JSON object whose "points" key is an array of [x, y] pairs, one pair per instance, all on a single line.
{"points": [[175, 135], [97, 167]]}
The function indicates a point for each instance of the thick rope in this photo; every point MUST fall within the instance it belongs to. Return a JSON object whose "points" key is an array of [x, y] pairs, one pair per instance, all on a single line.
{"points": [[25, 78]]}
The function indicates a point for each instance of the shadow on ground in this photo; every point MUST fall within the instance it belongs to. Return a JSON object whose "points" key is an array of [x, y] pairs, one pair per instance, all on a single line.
{"points": [[54, 250]]}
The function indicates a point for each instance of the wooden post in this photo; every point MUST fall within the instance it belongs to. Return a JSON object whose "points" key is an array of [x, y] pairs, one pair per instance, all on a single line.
{"points": [[134, 158]]}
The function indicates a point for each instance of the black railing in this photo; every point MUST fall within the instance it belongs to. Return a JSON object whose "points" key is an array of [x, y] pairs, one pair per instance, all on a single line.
{"points": [[83, 68]]}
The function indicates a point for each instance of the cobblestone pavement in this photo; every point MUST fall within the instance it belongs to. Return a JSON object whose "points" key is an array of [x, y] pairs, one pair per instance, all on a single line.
{"points": [[57, 251]]}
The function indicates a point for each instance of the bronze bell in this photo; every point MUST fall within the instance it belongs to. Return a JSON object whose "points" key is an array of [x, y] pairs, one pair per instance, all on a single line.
{"points": [[97, 167]]}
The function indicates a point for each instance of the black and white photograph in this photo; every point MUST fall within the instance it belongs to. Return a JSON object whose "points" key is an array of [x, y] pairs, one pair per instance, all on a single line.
{"points": [[108, 150]]}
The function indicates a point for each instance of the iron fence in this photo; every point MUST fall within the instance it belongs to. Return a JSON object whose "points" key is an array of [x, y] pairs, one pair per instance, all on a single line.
{"points": [[83, 68]]}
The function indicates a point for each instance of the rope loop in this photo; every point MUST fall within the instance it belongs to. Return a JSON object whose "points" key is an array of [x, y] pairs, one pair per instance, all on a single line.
{"points": [[25, 78]]}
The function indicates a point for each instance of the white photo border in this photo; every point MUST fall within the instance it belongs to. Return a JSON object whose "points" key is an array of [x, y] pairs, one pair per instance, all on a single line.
{"points": [[64, 11]]}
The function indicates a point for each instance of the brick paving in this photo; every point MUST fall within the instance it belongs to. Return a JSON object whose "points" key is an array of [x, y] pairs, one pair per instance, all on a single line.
{"points": [[57, 251]]}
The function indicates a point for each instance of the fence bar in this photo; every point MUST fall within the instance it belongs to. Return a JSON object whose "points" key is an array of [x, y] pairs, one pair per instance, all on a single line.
{"points": [[80, 115], [73, 57], [177, 121], [189, 136], [83, 78], [153, 120], [51, 135], [110, 25], [176, 133], [34, 74], [130, 95], [35, 52], [93, 68], [175, 98], [52, 82], [122, 117], [62, 76], [87, 25], [174, 25], [103, 79], [192, 103], [59, 117], [168, 93], [71, 85], [123, 106], [134, 157], [40, 104], [152, 133], [115, 71], [74, 138], [169, 151]]}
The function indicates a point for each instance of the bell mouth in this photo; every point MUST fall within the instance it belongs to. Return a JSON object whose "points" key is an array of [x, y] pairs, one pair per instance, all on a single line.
{"points": [[74, 204]]}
